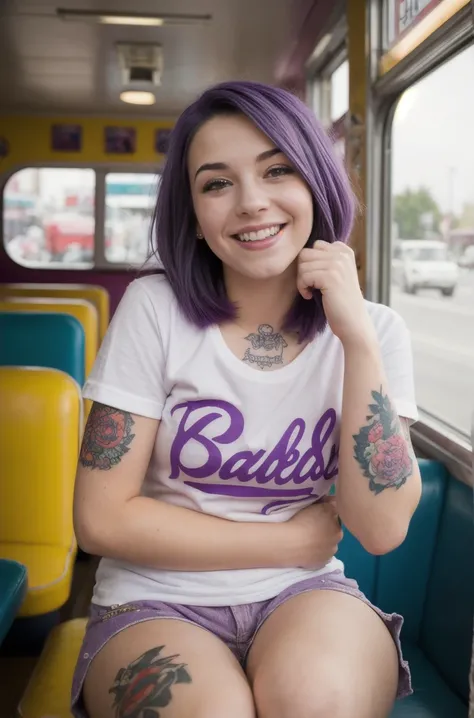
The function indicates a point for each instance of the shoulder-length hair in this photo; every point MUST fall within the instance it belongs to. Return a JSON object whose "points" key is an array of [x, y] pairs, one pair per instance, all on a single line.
{"points": [[192, 269]]}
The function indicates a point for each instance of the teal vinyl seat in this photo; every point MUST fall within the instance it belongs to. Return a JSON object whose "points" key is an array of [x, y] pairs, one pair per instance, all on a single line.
{"points": [[56, 341], [13, 587], [430, 581]]}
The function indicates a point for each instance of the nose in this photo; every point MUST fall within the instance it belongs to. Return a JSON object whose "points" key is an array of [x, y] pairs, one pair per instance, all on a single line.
{"points": [[252, 198]]}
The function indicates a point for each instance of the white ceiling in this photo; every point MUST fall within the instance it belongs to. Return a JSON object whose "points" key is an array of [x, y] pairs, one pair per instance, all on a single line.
{"points": [[50, 64]]}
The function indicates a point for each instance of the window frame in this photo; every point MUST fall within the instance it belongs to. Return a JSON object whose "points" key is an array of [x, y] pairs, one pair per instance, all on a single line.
{"points": [[431, 436], [320, 83], [320, 66], [101, 169]]}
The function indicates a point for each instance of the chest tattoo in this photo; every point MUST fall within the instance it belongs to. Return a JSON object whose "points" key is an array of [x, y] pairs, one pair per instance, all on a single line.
{"points": [[266, 347]]}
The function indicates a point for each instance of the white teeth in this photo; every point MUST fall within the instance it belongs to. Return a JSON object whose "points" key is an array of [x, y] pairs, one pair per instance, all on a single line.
{"points": [[261, 234]]}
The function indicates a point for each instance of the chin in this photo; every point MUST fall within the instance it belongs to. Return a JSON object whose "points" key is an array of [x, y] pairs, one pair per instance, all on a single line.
{"points": [[264, 269]]}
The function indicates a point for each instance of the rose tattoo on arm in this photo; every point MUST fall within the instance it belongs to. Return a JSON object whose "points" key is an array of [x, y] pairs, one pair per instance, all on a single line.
{"points": [[381, 449], [107, 437]]}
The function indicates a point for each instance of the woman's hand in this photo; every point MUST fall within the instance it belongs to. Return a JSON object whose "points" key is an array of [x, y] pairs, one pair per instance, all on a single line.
{"points": [[316, 533], [332, 269]]}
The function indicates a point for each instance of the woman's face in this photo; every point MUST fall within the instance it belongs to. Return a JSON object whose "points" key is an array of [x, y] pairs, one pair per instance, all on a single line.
{"points": [[254, 210]]}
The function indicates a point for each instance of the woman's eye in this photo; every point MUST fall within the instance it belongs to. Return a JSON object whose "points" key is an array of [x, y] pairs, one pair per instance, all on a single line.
{"points": [[280, 170], [214, 185]]}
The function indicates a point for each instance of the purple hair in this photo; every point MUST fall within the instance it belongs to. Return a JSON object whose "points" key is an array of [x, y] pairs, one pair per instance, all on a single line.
{"points": [[193, 270]]}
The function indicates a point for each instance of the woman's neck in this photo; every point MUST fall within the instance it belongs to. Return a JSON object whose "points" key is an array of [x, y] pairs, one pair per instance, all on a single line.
{"points": [[262, 301]]}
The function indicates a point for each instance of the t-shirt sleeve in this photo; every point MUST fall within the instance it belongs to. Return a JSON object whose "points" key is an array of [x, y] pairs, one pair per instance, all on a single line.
{"points": [[128, 373], [398, 363]]}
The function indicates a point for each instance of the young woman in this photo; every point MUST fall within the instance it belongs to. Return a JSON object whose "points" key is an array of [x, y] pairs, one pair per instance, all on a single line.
{"points": [[233, 390]]}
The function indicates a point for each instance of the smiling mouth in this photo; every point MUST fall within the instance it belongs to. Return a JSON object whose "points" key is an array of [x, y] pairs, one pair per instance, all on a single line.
{"points": [[260, 235]]}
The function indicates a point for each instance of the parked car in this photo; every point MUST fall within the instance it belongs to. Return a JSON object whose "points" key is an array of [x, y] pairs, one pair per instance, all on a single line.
{"points": [[466, 260], [424, 264]]}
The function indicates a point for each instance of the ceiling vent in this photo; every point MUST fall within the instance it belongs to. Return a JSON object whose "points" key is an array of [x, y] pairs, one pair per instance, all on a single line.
{"points": [[141, 63]]}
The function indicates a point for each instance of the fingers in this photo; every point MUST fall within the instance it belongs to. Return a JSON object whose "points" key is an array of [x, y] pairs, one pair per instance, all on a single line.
{"points": [[322, 266], [312, 279], [331, 503], [329, 248], [333, 246]]}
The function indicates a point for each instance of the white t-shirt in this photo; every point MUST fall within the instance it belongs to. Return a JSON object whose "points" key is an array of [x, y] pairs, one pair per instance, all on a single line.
{"points": [[233, 441]]}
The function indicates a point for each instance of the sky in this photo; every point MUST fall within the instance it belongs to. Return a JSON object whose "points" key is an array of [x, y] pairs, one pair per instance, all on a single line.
{"points": [[432, 135]]}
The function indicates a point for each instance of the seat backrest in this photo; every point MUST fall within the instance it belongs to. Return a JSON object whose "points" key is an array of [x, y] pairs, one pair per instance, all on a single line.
{"points": [[42, 339], [40, 421], [98, 296], [398, 581], [447, 627], [83, 310]]}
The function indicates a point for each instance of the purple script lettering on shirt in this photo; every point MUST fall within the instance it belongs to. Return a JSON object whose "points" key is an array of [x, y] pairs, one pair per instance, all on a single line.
{"points": [[284, 465]]}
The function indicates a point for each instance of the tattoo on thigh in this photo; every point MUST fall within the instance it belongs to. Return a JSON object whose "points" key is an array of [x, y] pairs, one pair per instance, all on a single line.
{"points": [[381, 449], [267, 347], [107, 437], [144, 685]]}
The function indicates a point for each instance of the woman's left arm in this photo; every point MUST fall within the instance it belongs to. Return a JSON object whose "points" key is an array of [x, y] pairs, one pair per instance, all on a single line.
{"points": [[379, 483]]}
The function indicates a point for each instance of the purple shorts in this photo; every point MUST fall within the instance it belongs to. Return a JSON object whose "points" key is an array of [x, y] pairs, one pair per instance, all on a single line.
{"points": [[236, 626]]}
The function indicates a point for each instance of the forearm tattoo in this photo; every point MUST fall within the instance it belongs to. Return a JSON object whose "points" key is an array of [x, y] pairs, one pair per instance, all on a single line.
{"points": [[144, 685], [383, 447], [107, 437]]}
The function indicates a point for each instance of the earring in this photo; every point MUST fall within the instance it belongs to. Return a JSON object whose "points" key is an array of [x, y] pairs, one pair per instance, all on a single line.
{"points": [[199, 234]]}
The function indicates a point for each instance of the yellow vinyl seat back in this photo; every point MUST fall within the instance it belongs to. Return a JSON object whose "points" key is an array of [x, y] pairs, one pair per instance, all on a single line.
{"points": [[40, 422], [98, 296]]}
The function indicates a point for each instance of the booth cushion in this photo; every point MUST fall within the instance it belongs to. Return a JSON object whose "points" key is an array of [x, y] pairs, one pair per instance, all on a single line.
{"points": [[49, 691], [99, 296], [428, 580], [37, 339], [383, 579], [40, 425], [13, 585], [84, 311], [49, 575], [431, 698], [447, 628]]}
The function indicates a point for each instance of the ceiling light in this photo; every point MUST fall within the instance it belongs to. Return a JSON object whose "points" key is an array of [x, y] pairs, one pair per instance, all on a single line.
{"points": [[111, 17], [128, 20], [136, 97]]}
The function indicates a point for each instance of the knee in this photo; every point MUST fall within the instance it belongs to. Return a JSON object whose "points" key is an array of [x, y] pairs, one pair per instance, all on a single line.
{"points": [[313, 696]]}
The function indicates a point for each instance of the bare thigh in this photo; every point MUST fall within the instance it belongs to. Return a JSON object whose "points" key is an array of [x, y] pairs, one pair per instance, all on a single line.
{"points": [[166, 668], [323, 654]]}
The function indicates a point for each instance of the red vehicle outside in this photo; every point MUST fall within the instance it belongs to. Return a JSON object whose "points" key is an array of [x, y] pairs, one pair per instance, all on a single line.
{"points": [[64, 230]]}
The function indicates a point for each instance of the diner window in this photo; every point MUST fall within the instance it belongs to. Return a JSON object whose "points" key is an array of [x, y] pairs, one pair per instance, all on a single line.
{"points": [[48, 217], [339, 91], [432, 266], [129, 203]]}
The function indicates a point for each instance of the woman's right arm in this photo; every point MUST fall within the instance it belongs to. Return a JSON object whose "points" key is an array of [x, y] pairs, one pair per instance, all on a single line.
{"points": [[113, 520]]}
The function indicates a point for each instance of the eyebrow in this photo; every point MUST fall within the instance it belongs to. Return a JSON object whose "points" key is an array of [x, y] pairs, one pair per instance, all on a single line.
{"points": [[222, 166]]}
